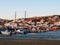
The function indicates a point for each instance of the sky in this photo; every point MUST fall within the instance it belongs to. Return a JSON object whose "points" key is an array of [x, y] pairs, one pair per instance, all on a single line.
{"points": [[32, 7]]}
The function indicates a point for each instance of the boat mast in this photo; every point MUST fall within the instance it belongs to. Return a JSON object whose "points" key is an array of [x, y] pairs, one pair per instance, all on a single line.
{"points": [[15, 20], [15, 16], [25, 14]]}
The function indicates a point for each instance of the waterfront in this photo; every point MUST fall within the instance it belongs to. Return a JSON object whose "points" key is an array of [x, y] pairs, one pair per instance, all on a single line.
{"points": [[44, 38], [42, 35]]}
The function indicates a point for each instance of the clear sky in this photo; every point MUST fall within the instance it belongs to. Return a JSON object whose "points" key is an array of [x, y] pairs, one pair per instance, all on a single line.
{"points": [[33, 8]]}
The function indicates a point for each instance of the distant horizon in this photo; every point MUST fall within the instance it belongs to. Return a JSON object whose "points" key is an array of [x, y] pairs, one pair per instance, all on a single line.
{"points": [[30, 17]]}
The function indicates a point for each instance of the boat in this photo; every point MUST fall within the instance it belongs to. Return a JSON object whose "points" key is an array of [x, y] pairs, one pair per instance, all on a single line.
{"points": [[6, 32], [19, 31], [53, 28]]}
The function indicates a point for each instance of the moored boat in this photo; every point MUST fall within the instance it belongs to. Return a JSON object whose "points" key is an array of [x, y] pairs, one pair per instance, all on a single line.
{"points": [[20, 31], [6, 32]]}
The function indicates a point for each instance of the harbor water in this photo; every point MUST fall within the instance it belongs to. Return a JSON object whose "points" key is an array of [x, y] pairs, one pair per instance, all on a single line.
{"points": [[41, 35]]}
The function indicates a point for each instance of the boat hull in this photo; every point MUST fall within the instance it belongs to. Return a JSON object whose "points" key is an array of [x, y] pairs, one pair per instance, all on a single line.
{"points": [[5, 33]]}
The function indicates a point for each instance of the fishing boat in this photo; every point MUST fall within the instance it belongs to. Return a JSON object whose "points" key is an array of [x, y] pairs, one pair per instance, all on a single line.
{"points": [[20, 31], [6, 32]]}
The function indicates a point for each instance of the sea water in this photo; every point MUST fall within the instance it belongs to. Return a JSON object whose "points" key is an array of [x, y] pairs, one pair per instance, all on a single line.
{"points": [[41, 35]]}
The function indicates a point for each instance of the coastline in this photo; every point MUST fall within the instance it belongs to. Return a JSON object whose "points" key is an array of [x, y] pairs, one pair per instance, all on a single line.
{"points": [[17, 41]]}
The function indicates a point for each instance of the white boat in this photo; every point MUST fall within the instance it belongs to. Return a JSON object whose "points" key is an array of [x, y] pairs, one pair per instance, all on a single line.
{"points": [[19, 31], [5, 32]]}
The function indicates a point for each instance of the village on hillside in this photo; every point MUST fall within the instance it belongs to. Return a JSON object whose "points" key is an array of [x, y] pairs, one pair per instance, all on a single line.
{"points": [[33, 24]]}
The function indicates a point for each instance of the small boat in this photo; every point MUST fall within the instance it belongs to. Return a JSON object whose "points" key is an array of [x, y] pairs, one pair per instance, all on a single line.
{"points": [[19, 31], [53, 28], [6, 32]]}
